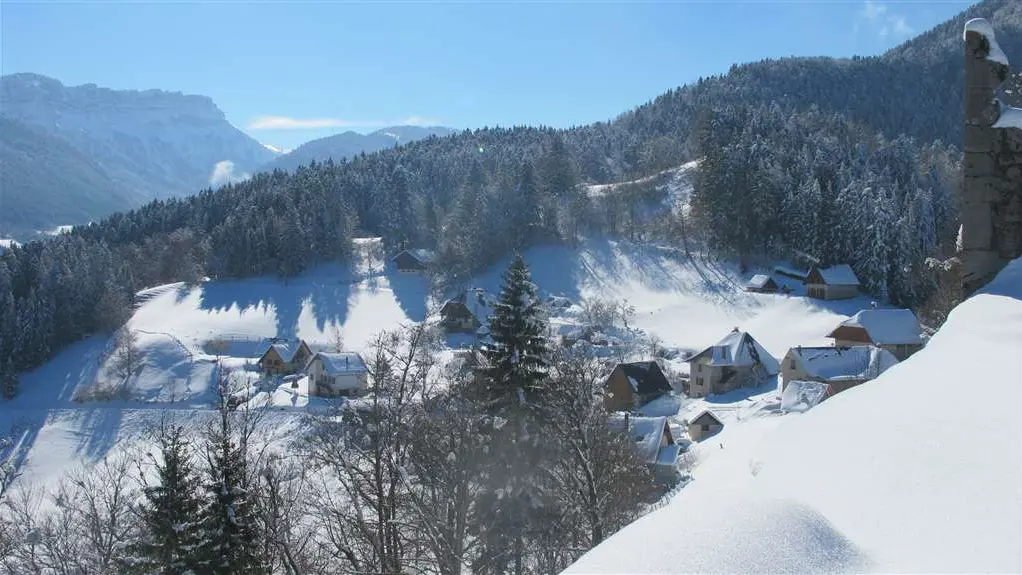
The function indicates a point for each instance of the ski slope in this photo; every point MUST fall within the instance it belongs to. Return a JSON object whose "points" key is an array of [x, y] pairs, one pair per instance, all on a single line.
{"points": [[689, 304], [917, 471]]}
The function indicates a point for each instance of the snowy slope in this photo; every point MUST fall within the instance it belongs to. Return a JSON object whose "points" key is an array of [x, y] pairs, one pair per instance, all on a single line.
{"points": [[919, 470], [689, 304]]}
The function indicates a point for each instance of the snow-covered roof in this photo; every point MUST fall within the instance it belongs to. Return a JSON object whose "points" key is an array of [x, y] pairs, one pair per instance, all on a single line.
{"points": [[841, 274], [286, 350], [342, 363], [704, 414], [759, 281], [790, 271], [424, 255], [886, 326], [844, 363], [802, 395], [982, 27], [738, 349], [647, 432]]}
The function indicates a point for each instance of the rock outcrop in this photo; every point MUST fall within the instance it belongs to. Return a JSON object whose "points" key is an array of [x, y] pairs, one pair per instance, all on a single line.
{"points": [[991, 211]]}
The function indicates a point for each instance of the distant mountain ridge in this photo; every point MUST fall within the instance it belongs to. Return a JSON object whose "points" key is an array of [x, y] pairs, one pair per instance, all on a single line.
{"points": [[150, 144], [349, 144]]}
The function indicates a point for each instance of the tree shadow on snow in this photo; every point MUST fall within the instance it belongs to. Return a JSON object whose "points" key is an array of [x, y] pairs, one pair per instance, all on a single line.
{"points": [[410, 292]]}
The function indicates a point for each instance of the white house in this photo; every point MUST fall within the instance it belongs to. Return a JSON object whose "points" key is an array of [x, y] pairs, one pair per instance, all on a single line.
{"points": [[341, 373]]}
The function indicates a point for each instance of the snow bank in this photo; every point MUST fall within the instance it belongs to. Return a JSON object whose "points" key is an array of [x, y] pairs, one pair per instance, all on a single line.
{"points": [[726, 532], [918, 470], [981, 26]]}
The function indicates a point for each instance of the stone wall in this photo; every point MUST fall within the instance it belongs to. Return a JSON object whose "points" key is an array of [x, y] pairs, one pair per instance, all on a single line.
{"points": [[991, 211]]}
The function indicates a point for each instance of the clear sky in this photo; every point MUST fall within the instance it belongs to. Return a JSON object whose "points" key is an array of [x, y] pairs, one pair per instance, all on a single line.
{"points": [[288, 72]]}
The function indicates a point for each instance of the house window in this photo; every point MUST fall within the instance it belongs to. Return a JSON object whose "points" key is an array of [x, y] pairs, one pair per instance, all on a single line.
{"points": [[706, 427], [791, 363], [699, 367]]}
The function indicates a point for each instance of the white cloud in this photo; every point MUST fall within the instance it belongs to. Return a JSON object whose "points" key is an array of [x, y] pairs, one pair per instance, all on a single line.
{"points": [[883, 21], [288, 123], [223, 173]]}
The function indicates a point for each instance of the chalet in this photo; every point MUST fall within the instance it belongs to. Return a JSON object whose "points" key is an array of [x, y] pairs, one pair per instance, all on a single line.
{"points": [[414, 261], [835, 282], [632, 385], [282, 357], [654, 442], [462, 313], [332, 374], [761, 283], [736, 361], [704, 425], [896, 330], [839, 367]]}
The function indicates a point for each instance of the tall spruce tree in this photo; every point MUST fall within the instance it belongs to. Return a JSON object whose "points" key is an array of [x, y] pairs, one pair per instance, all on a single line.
{"points": [[517, 360], [513, 501], [170, 512], [230, 534]]}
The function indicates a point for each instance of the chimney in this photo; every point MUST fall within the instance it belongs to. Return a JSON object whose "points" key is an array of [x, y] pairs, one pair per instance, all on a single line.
{"points": [[873, 304]]}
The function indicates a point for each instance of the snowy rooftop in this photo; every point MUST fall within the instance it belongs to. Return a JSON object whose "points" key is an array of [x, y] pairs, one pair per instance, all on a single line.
{"points": [[836, 363], [286, 350], [739, 349], [647, 432], [887, 326], [758, 281], [343, 363], [801, 395], [705, 414], [838, 275], [423, 255]]}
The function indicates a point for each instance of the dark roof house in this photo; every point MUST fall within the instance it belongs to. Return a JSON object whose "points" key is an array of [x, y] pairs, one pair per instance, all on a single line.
{"points": [[635, 384]]}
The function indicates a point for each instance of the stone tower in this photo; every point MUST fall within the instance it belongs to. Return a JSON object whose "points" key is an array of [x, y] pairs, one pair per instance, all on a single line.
{"points": [[991, 211]]}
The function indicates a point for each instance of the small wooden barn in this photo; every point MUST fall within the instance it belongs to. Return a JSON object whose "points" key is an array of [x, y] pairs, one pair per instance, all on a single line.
{"points": [[704, 425], [835, 282]]}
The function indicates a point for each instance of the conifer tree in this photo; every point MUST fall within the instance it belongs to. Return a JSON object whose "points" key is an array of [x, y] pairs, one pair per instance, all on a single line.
{"points": [[230, 538], [516, 362], [170, 513]]}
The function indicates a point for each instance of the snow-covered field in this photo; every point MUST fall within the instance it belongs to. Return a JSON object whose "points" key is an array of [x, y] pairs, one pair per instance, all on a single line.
{"points": [[687, 304], [917, 471]]}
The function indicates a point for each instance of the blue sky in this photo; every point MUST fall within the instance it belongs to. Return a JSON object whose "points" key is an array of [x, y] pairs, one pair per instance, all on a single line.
{"points": [[290, 72]]}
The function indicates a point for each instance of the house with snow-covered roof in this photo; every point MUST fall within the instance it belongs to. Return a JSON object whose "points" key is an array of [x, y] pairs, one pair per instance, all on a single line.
{"points": [[632, 385], [653, 441], [283, 357], [337, 373], [703, 425], [414, 261], [896, 330], [835, 282], [761, 283], [736, 361], [839, 367]]}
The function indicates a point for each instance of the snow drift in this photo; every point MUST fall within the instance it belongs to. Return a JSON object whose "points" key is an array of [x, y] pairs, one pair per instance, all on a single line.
{"points": [[918, 470]]}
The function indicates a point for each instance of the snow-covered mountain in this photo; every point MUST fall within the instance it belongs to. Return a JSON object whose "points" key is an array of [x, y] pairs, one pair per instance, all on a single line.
{"points": [[917, 471], [152, 143], [348, 144]]}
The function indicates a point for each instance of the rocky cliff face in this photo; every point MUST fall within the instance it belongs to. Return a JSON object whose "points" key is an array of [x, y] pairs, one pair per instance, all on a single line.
{"points": [[991, 213], [159, 143]]}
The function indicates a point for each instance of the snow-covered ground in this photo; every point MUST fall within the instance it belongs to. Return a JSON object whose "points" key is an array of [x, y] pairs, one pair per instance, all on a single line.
{"points": [[917, 471], [688, 304]]}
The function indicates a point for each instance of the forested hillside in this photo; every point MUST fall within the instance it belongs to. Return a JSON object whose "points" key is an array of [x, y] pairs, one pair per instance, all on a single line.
{"points": [[840, 167]]}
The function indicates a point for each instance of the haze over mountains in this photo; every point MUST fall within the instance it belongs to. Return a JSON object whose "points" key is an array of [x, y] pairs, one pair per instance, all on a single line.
{"points": [[72, 154], [350, 144]]}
